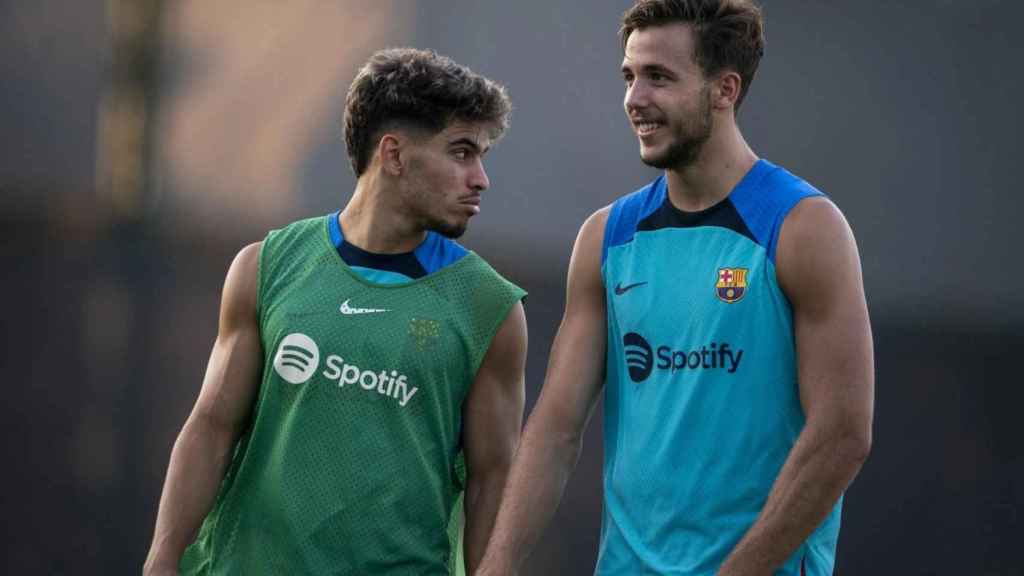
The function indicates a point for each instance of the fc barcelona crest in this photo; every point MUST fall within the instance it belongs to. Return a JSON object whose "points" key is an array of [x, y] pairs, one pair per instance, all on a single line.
{"points": [[732, 284], [425, 332]]}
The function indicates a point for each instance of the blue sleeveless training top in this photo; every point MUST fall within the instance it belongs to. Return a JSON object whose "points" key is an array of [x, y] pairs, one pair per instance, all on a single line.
{"points": [[701, 398]]}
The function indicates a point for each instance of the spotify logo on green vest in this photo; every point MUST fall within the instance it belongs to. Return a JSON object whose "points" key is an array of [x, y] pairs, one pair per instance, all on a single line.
{"points": [[297, 358]]}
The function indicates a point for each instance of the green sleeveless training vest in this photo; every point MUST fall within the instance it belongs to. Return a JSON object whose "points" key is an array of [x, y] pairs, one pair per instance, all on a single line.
{"points": [[350, 463]]}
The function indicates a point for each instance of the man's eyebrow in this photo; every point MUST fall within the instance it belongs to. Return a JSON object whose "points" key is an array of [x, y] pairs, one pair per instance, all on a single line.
{"points": [[467, 142], [650, 68]]}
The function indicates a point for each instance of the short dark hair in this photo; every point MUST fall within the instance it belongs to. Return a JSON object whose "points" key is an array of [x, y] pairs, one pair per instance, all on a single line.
{"points": [[417, 89], [729, 34]]}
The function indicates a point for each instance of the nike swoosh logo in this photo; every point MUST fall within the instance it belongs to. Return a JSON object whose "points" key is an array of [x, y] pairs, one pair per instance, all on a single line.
{"points": [[348, 310], [620, 289]]}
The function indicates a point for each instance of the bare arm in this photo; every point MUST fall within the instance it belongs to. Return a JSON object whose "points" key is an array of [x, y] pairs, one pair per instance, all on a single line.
{"points": [[201, 453], [553, 437], [493, 419], [819, 270]]}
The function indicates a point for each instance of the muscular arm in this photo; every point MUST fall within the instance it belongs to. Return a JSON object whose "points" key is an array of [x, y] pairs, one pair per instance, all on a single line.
{"points": [[203, 448], [552, 440], [493, 416], [819, 270]]}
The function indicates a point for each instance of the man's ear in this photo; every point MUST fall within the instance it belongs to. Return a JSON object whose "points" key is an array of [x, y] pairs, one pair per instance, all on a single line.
{"points": [[726, 90], [391, 150]]}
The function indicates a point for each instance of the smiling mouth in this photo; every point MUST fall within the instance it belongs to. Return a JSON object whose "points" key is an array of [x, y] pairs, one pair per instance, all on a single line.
{"points": [[646, 128]]}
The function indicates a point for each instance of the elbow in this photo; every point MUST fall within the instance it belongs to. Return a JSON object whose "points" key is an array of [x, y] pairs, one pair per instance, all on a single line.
{"points": [[558, 446], [854, 445], [488, 469], [846, 439], [860, 447], [494, 472], [569, 445], [206, 430]]}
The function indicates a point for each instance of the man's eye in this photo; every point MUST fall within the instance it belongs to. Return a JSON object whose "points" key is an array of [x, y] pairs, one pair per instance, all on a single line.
{"points": [[461, 154], [658, 77]]}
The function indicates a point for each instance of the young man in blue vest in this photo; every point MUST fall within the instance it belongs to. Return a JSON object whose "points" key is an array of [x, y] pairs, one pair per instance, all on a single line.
{"points": [[721, 309]]}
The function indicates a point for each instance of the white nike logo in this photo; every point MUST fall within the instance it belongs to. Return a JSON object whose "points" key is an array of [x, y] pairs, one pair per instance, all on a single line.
{"points": [[346, 309]]}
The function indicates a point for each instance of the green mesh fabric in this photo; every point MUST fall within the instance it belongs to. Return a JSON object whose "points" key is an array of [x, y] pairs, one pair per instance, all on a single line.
{"points": [[457, 524], [352, 462]]}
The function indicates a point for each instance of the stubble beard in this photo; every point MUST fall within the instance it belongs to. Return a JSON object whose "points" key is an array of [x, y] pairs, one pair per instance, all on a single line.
{"points": [[447, 229], [422, 201], [428, 221], [689, 139], [434, 223]]}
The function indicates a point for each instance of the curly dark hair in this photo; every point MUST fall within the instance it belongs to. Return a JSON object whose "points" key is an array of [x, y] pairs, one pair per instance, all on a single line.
{"points": [[421, 90], [729, 34]]}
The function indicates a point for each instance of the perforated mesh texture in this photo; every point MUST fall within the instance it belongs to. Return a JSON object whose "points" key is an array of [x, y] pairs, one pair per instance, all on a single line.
{"points": [[351, 465]]}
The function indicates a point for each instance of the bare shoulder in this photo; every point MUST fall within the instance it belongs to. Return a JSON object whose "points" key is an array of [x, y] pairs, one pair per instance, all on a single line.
{"points": [[592, 229], [509, 342], [232, 376], [817, 254], [238, 301], [247, 260], [815, 218], [586, 254]]}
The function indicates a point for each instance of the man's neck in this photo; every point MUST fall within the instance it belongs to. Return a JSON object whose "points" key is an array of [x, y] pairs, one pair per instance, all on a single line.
{"points": [[374, 221], [724, 160]]}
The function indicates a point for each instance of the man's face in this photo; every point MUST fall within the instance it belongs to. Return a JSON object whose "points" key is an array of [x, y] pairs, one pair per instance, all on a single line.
{"points": [[445, 177], [668, 100]]}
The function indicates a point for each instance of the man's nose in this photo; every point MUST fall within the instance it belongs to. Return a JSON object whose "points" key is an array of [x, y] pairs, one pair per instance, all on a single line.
{"points": [[478, 178], [636, 97]]}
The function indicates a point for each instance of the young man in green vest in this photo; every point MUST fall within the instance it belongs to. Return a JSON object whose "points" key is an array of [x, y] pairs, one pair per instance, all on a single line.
{"points": [[360, 356]]}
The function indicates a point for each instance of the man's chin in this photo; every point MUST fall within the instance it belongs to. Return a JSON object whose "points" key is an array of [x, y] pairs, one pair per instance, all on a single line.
{"points": [[449, 230], [675, 157], [654, 159]]}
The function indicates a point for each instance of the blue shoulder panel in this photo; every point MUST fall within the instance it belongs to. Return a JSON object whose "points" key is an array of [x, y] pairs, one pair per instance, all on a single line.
{"points": [[763, 199], [381, 276], [436, 252], [334, 229], [433, 254], [628, 211]]}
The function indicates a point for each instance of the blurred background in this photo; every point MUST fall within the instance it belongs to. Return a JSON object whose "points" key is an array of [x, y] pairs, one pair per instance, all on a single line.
{"points": [[144, 142]]}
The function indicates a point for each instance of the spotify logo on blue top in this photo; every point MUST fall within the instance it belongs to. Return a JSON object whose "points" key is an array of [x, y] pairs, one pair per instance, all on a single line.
{"points": [[642, 358], [638, 356]]}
